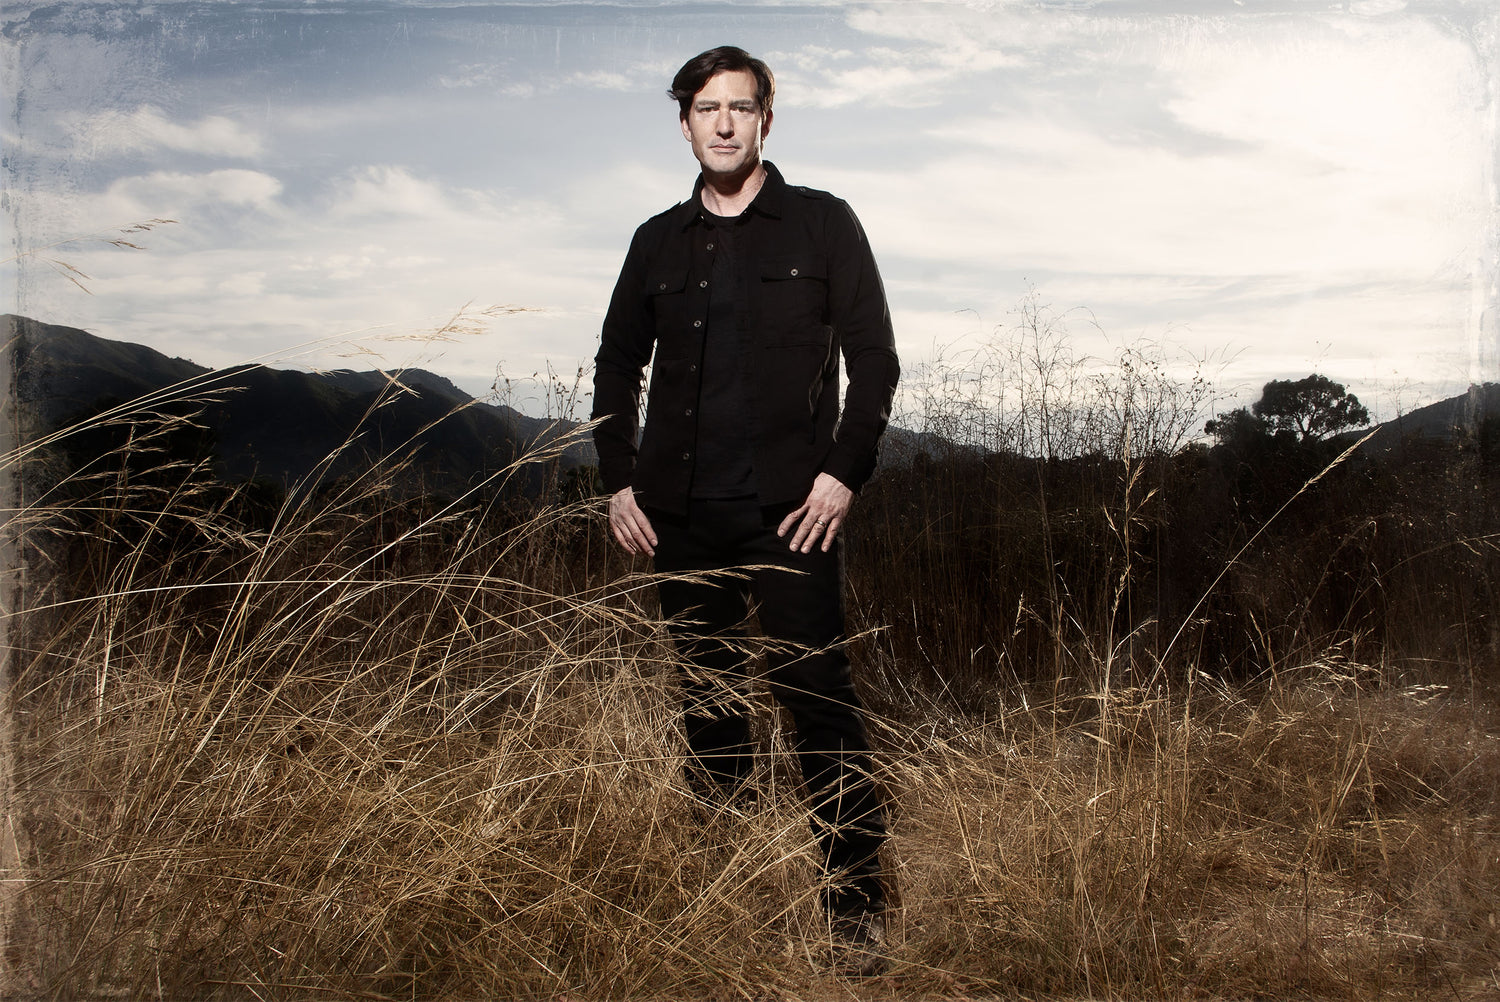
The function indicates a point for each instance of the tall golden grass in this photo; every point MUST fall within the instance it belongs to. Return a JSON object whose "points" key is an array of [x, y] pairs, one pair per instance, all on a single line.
{"points": [[384, 750]]}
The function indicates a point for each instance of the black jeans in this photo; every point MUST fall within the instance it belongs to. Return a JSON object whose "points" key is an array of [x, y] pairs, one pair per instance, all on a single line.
{"points": [[802, 614]]}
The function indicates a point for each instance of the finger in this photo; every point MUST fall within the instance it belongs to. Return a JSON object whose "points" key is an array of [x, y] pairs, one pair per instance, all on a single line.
{"points": [[804, 528], [790, 521], [645, 534], [809, 531], [628, 534], [642, 537], [830, 532], [622, 537], [818, 529]]}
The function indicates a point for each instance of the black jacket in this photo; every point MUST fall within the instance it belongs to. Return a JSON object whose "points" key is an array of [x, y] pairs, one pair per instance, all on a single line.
{"points": [[818, 296]]}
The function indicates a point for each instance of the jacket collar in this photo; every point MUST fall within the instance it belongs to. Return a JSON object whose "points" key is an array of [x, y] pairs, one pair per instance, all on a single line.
{"points": [[767, 201]]}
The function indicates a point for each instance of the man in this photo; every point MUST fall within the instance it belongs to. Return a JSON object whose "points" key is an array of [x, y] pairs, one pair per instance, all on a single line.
{"points": [[747, 295]]}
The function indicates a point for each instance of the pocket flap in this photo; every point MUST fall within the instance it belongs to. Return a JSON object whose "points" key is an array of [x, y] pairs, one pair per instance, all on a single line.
{"points": [[663, 282]]}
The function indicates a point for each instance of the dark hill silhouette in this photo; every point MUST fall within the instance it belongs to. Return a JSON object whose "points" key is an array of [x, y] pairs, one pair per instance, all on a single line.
{"points": [[1462, 418], [279, 424]]}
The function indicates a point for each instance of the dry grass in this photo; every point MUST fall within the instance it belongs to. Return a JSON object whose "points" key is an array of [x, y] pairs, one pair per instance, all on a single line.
{"points": [[1313, 840], [372, 754]]}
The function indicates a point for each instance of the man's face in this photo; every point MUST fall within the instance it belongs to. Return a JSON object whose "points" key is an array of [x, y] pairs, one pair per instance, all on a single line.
{"points": [[725, 125]]}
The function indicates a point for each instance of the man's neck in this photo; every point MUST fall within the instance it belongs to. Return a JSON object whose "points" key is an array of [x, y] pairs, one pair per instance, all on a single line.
{"points": [[730, 196]]}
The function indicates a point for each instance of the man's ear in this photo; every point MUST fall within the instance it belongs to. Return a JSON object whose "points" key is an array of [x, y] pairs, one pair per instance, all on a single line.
{"points": [[686, 132], [765, 127]]}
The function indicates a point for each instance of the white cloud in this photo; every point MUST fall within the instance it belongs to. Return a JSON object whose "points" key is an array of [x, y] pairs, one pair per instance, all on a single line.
{"points": [[470, 75], [1347, 147], [170, 193], [632, 78], [815, 76], [250, 283], [147, 128], [199, 202], [1400, 99], [391, 191], [1376, 8], [601, 80], [1097, 206], [385, 248], [938, 52]]}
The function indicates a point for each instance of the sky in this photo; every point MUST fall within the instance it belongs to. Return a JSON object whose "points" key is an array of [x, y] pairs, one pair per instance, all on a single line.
{"points": [[1257, 189]]}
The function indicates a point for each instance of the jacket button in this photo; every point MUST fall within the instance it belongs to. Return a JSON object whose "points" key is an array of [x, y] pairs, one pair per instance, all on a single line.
{"points": [[697, 323], [686, 457], [688, 412], [703, 284], [662, 287], [710, 246], [693, 367], [794, 272]]}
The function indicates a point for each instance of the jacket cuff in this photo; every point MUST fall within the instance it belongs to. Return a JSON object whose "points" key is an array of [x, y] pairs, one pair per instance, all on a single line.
{"points": [[850, 469], [615, 476]]}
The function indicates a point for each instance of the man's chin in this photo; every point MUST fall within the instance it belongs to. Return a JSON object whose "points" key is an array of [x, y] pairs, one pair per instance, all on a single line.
{"points": [[730, 167]]}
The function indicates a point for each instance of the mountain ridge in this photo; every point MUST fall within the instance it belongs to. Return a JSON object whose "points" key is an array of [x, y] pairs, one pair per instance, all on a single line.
{"points": [[281, 424]]}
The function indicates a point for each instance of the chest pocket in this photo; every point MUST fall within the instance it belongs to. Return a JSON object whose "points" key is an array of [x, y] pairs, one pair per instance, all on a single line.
{"points": [[794, 299], [666, 293]]}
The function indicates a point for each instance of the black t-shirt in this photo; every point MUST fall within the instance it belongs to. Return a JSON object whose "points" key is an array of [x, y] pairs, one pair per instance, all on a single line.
{"points": [[724, 466]]}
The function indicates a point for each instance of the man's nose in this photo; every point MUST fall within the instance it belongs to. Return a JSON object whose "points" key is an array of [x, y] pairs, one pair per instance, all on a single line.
{"points": [[724, 124]]}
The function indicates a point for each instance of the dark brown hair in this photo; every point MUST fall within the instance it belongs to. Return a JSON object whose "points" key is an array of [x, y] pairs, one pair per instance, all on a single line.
{"points": [[696, 72]]}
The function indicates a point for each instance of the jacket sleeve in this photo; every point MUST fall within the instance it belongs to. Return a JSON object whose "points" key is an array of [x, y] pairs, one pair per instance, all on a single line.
{"points": [[625, 346], [862, 322]]}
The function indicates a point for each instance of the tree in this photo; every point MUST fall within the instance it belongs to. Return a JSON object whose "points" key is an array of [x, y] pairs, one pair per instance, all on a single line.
{"points": [[1236, 427], [1311, 408]]}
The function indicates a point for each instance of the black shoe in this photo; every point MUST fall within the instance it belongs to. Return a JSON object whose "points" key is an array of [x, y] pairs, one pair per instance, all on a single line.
{"points": [[858, 944]]}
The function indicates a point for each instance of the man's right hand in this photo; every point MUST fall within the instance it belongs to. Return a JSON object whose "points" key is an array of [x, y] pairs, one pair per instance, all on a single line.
{"points": [[631, 528]]}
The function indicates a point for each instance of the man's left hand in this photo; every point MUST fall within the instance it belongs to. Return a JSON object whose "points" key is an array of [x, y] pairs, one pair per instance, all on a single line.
{"points": [[820, 515]]}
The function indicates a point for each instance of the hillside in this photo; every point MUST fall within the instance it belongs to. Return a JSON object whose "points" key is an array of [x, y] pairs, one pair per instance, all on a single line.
{"points": [[278, 424], [1462, 417]]}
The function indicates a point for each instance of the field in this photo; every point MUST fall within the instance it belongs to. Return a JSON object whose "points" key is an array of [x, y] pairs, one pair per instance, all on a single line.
{"points": [[340, 743]]}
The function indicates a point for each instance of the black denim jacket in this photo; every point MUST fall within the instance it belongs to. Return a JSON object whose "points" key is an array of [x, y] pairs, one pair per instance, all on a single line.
{"points": [[815, 295]]}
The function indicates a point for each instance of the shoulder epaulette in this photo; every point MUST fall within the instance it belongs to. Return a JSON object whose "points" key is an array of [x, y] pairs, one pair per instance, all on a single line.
{"points": [[807, 192], [665, 212]]}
